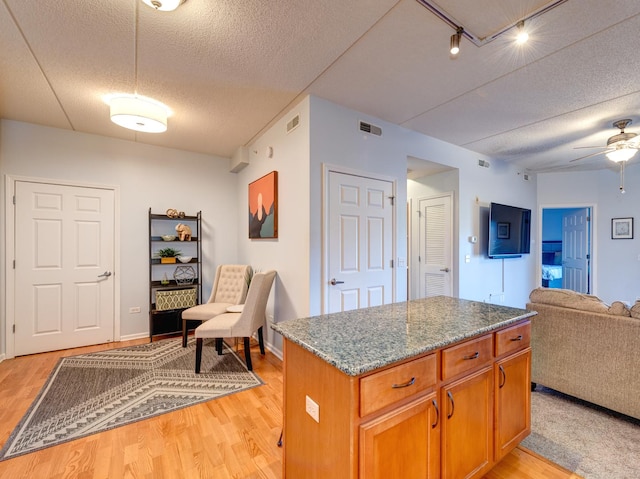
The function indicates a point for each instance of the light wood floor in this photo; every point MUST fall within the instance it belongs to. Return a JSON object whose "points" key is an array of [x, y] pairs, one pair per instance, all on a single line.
{"points": [[231, 437]]}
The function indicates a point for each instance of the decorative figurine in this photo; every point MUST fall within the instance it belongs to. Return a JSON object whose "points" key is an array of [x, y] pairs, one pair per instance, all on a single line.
{"points": [[184, 232]]}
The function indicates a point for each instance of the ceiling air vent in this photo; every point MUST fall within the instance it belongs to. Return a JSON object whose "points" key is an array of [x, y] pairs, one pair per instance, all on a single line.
{"points": [[369, 128], [293, 123]]}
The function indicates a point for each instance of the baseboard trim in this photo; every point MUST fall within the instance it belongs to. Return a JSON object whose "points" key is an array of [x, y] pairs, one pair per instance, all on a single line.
{"points": [[276, 352], [129, 337]]}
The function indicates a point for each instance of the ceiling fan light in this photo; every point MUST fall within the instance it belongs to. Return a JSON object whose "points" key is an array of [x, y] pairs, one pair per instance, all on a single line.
{"points": [[621, 153], [138, 113], [164, 5]]}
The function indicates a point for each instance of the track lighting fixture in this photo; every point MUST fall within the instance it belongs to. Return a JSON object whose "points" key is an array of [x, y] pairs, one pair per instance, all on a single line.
{"points": [[454, 48], [522, 35]]}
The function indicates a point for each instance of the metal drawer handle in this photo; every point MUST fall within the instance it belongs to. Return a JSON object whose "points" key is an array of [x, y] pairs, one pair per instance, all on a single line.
{"points": [[517, 338], [435, 405], [407, 384], [473, 356], [503, 379], [453, 405]]}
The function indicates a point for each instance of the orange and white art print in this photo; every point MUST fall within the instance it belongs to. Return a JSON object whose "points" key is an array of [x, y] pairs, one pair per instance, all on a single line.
{"points": [[263, 207]]}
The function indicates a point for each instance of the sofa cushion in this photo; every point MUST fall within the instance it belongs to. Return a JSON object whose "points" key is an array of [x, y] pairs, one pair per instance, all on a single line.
{"points": [[568, 299], [619, 309]]}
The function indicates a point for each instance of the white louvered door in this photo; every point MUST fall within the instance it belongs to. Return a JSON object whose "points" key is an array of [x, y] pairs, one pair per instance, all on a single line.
{"points": [[436, 249]]}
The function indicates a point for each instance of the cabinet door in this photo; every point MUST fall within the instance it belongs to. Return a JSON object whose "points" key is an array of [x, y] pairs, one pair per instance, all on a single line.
{"points": [[403, 443], [513, 401], [467, 426]]}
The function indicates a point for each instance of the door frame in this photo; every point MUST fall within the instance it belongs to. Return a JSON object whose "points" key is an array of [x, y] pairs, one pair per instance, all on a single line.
{"points": [[328, 168], [9, 241], [593, 277]]}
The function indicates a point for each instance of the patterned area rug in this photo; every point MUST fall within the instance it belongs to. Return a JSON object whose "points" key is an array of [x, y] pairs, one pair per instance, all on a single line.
{"points": [[95, 392], [591, 441]]}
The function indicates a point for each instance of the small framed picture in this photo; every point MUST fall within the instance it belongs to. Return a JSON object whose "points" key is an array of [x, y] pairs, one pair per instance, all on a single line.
{"points": [[504, 230], [621, 228]]}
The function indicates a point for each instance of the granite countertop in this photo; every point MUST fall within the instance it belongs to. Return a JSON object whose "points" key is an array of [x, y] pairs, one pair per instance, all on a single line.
{"points": [[366, 339]]}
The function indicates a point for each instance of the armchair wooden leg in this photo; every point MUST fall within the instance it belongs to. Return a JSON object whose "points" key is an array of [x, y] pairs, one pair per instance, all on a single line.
{"points": [[219, 346], [261, 340], [184, 333], [247, 353], [198, 354]]}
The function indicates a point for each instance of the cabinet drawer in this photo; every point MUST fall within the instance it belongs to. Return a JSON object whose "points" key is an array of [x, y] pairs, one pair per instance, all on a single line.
{"points": [[467, 356], [386, 387], [513, 338]]}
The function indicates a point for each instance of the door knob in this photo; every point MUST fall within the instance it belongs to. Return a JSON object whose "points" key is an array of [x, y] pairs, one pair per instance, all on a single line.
{"points": [[106, 274], [334, 282], [446, 270]]}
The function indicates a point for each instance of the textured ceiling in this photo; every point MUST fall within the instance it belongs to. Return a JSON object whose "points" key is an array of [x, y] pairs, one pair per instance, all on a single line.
{"points": [[228, 69]]}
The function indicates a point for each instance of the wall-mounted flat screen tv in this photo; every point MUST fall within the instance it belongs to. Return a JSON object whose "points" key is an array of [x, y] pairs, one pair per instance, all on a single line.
{"points": [[509, 231]]}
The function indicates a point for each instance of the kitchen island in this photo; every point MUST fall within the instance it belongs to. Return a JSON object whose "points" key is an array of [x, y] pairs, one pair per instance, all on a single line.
{"points": [[437, 387]]}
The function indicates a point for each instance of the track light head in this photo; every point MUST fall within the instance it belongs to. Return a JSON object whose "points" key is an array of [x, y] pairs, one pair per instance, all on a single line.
{"points": [[454, 45], [522, 35]]}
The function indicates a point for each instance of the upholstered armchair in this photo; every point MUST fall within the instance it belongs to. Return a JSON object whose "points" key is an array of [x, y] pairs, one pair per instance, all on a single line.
{"points": [[229, 288]]}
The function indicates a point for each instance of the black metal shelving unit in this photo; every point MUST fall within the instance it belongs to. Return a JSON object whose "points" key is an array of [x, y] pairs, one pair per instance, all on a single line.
{"points": [[168, 321]]}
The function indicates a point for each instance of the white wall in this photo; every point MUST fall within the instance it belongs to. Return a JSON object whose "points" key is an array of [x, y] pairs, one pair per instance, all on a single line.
{"points": [[147, 176], [483, 276], [289, 254], [616, 262], [160, 178], [337, 140]]}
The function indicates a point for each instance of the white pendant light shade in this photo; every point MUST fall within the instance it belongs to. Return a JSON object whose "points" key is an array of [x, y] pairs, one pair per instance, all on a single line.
{"points": [[138, 113], [164, 5], [621, 154]]}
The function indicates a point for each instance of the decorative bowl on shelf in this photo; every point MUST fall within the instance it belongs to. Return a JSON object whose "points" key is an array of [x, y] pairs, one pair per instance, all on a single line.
{"points": [[184, 259], [169, 237]]}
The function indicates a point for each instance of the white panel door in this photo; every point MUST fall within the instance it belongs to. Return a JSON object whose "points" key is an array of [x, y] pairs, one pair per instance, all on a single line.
{"points": [[436, 248], [360, 222], [575, 250], [64, 294]]}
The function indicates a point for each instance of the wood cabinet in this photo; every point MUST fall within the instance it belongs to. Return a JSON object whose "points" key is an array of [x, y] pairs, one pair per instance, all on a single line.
{"points": [[179, 282], [467, 403], [385, 451], [467, 425], [451, 413], [512, 383]]}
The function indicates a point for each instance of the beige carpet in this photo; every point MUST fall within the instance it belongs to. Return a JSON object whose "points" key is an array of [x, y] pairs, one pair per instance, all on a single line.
{"points": [[586, 439]]}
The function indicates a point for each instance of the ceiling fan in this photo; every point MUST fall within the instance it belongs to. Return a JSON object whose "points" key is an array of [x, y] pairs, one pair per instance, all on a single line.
{"points": [[620, 148]]}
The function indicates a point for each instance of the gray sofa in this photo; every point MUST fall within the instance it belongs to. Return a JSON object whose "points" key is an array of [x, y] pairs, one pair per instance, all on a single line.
{"points": [[585, 348]]}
